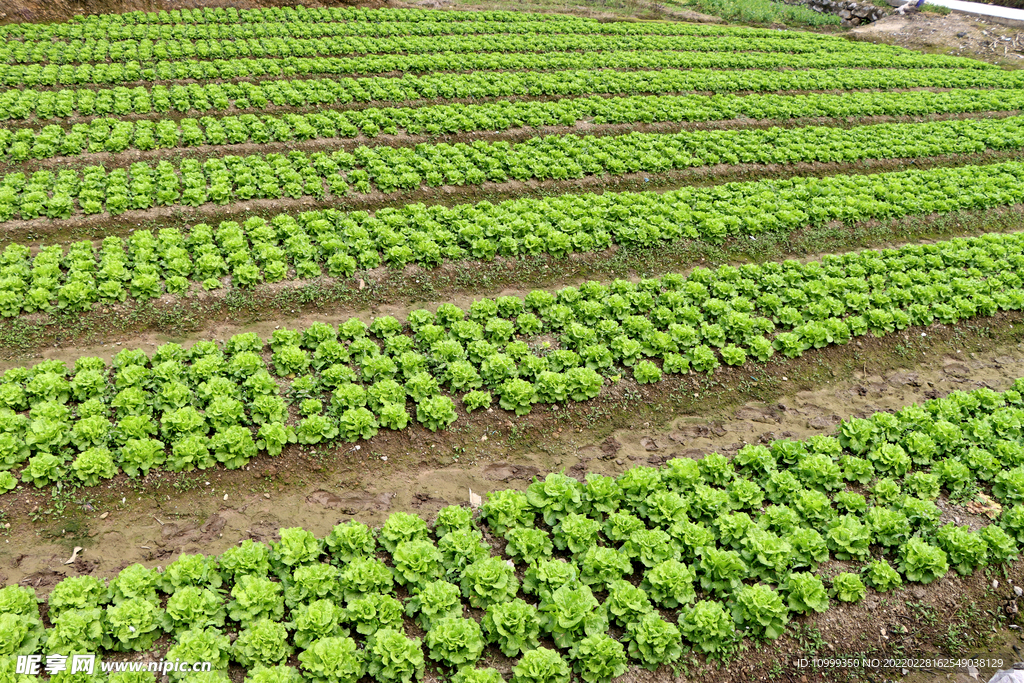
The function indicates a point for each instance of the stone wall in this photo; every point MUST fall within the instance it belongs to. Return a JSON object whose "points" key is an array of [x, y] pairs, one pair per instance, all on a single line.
{"points": [[852, 13]]}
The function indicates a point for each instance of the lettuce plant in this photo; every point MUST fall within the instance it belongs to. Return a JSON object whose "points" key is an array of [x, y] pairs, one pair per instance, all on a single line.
{"points": [[365, 576], [571, 613], [402, 526], [528, 545], [650, 546], [488, 581], [760, 610], [576, 533], [281, 673], [135, 581], [805, 592], [670, 584], [600, 565], [506, 509], [721, 571], [847, 587], [881, 576], [470, 675], [350, 540], [461, 548], [20, 634], [455, 642], [708, 627], [394, 658], [619, 526], [452, 518], [434, 601], [202, 645], [514, 626], [311, 582], [964, 548], [42, 469], [333, 660], [663, 508], [848, 538], [541, 666], [75, 630], [316, 620], [22, 601], [626, 603], [76, 592], [254, 597], [653, 641], [263, 642], [1002, 548], [546, 576], [374, 612], [297, 546], [598, 658], [416, 563], [601, 494], [248, 557], [556, 496], [191, 570], [193, 607], [922, 562], [436, 412]]}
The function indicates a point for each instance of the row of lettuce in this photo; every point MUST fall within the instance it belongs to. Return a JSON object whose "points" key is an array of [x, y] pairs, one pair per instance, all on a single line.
{"points": [[489, 56], [242, 96], [211, 404], [691, 556], [115, 135], [149, 51], [202, 23], [337, 244], [231, 178]]}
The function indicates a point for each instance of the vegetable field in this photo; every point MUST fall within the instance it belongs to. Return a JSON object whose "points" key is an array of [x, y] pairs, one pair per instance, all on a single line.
{"points": [[440, 234]]}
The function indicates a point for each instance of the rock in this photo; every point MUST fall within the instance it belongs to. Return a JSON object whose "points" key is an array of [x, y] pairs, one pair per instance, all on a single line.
{"points": [[610, 447], [900, 379], [214, 525], [649, 444], [845, 14], [957, 370], [500, 471], [862, 12], [918, 592], [350, 502], [820, 422]]}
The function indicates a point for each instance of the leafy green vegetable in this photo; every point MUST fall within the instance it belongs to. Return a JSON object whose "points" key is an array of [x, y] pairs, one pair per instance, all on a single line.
{"points": [[514, 626]]}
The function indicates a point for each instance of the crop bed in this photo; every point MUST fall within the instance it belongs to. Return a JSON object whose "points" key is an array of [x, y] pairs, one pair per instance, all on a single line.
{"points": [[337, 124]]}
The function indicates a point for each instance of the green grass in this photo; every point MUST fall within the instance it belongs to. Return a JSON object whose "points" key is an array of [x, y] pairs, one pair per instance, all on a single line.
{"points": [[765, 12]]}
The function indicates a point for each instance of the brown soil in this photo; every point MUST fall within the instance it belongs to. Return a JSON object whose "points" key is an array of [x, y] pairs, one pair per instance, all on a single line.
{"points": [[956, 34]]}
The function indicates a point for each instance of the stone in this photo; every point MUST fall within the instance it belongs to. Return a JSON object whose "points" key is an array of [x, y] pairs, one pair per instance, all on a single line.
{"points": [[845, 13]]}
